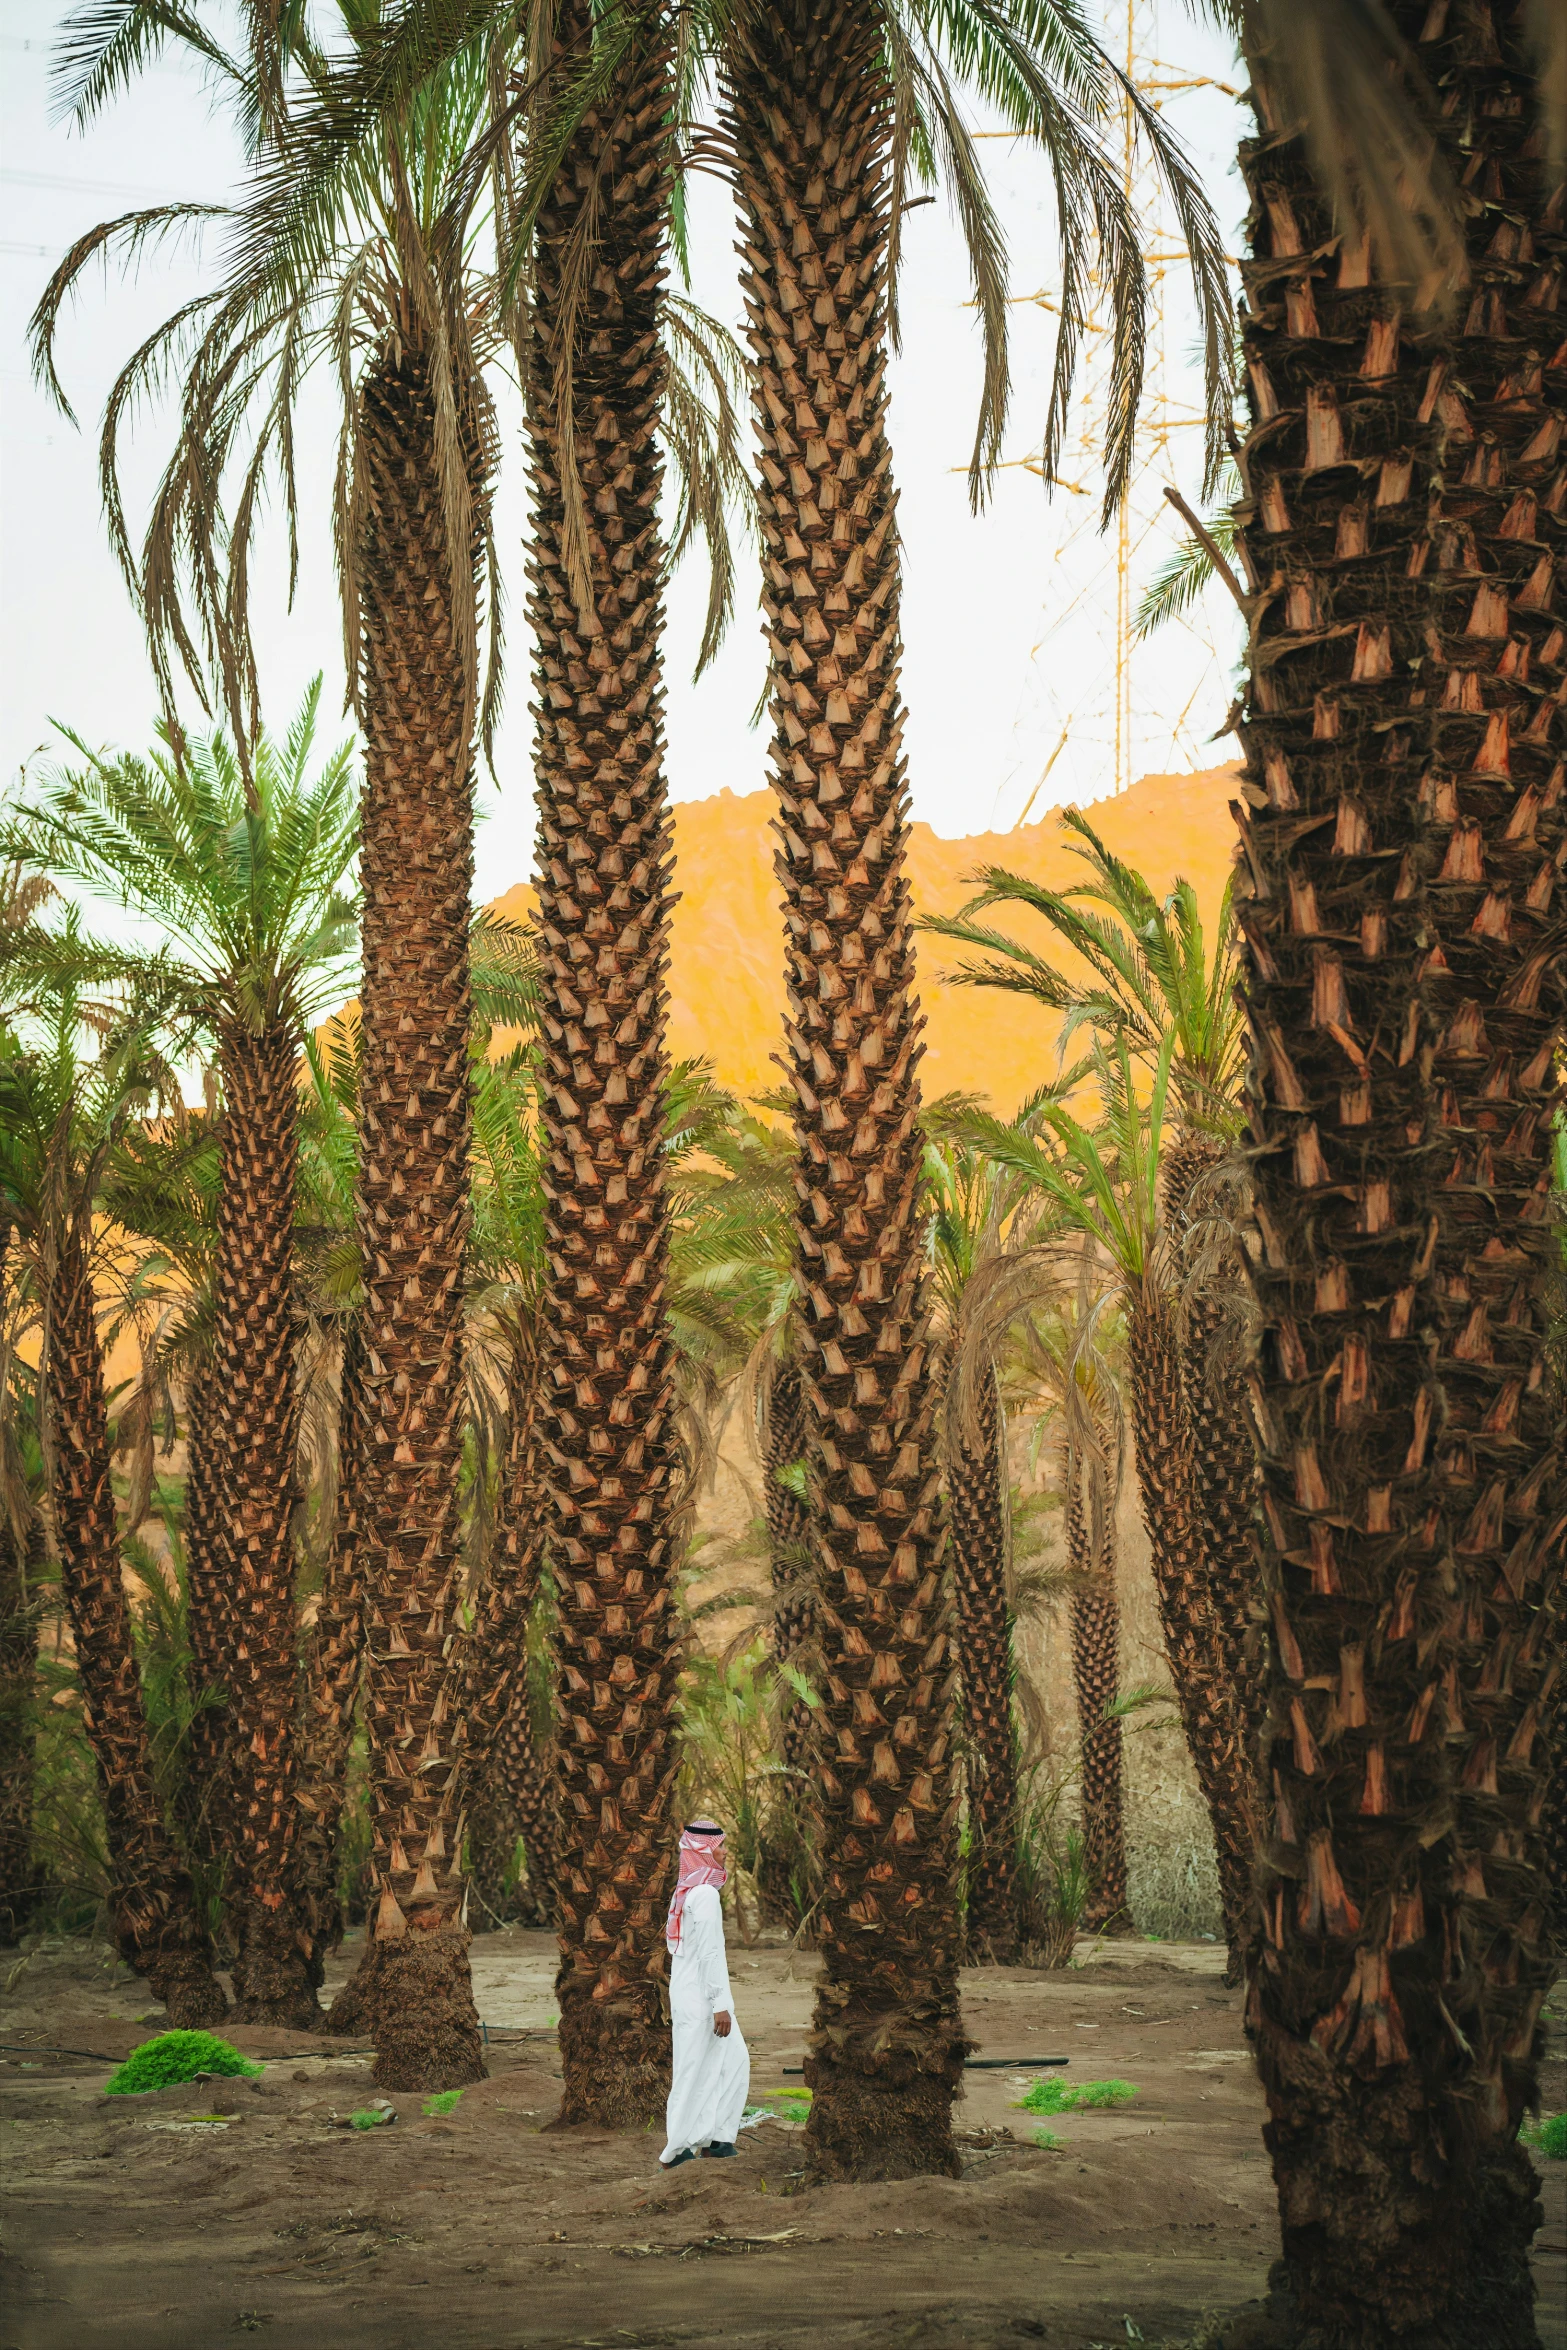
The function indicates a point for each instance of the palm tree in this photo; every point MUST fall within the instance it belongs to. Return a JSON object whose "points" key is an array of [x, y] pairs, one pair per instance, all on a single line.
{"points": [[1146, 969], [369, 266], [1063, 1350], [21, 1557], [244, 874], [22, 895], [1149, 979], [614, 1461], [1106, 1185], [57, 1120], [825, 111], [783, 1434], [508, 1253], [1400, 820], [989, 1267]]}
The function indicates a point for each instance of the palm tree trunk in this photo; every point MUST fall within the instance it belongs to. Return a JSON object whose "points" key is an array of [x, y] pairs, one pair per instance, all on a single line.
{"points": [[976, 1509], [498, 1647], [1218, 1410], [810, 115], [785, 1442], [415, 1119], [151, 1903], [1096, 1676], [526, 1767], [209, 1619], [19, 1877], [1404, 779], [255, 1405], [1553, 1829], [615, 1464], [1209, 1714], [334, 1672]]}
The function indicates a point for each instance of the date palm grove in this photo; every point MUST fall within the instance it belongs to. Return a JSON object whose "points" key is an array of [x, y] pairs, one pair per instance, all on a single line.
{"points": [[442, 1297]]}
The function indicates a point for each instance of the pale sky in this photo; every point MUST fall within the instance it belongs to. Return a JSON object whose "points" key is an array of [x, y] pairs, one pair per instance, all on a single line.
{"points": [[1009, 619]]}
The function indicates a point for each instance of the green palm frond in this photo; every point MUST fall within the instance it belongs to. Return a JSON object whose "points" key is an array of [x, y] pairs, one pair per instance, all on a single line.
{"points": [[246, 875], [1149, 968], [1180, 582]]}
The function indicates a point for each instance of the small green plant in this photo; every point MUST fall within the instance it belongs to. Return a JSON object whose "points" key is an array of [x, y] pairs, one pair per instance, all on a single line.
{"points": [[790, 2105], [176, 2056], [444, 2101], [371, 2117], [1075, 2096], [1550, 2136], [1048, 2139]]}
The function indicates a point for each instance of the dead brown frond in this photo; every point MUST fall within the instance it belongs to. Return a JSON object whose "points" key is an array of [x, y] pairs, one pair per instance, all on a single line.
{"points": [[1340, 73]]}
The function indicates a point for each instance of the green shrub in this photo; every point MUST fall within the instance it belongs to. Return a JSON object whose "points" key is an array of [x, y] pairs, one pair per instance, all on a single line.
{"points": [[1550, 2136], [444, 2101], [1049, 2140], [177, 2056], [1075, 2096]]}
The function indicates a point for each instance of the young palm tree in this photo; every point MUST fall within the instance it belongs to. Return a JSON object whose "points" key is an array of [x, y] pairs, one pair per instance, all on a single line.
{"points": [[508, 1253], [824, 110], [21, 1557], [244, 874], [988, 1268], [784, 1436], [1146, 969], [1401, 502], [1063, 1350], [1106, 1185], [57, 1119]]}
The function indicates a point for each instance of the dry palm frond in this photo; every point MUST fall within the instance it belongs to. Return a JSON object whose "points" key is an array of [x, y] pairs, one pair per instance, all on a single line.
{"points": [[1341, 72]]}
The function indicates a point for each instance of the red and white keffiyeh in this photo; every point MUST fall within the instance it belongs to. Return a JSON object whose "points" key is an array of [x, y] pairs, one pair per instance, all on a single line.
{"points": [[701, 1863]]}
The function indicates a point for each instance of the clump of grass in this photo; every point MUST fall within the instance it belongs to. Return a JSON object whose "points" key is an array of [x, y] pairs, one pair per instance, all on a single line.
{"points": [[1049, 2140], [1550, 2136], [1075, 2096], [371, 2117], [790, 2105], [177, 2056], [444, 2101]]}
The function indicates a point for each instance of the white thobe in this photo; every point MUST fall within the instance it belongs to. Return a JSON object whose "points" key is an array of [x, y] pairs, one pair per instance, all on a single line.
{"points": [[712, 2077]]}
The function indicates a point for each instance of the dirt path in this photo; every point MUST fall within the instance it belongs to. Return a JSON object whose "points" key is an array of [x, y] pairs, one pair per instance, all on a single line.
{"points": [[165, 2225]]}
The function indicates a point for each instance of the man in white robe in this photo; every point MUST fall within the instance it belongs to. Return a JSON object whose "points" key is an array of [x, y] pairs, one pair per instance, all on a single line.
{"points": [[712, 2065]]}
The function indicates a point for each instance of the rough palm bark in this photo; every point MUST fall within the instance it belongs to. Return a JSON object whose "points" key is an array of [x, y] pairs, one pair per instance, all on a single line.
{"points": [[1553, 1829], [151, 1904], [415, 1120], [809, 113], [1215, 1375], [615, 1470], [1402, 517], [526, 1767], [333, 1672], [498, 1647], [253, 1402], [209, 1619], [1095, 1618], [786, 1437], [976, 1510], [20, 1557], [1210, 1716]]}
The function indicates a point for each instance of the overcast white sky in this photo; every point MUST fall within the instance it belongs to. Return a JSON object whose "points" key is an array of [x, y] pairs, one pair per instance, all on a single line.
{"points": [[1008, 619]]}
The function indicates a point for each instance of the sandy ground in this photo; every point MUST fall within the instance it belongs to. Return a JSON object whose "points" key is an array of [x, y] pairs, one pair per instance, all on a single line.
{"points": [[169, 2224]]}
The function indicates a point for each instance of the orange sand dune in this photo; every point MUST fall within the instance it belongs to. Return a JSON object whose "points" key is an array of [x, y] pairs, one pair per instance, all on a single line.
{"points": [[726, 991]]}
